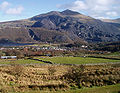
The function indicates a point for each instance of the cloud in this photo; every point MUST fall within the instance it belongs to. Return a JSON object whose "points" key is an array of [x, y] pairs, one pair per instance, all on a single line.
{"points": [[113, 13], [15, 11], [95, 8], [9, 9], [4, 5], [79, 5]]}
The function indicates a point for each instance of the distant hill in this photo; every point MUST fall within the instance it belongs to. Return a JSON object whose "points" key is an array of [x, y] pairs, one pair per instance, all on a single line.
{"points": [[60, 27], [112, 20]]}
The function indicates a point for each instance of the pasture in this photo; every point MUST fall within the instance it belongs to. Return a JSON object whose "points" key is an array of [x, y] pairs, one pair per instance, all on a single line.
{"points": [[19, 61], [58, 60], [76, 60]]}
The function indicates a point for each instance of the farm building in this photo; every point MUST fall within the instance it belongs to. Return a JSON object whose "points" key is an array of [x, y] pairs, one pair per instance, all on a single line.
{"points": [[8, 57]]}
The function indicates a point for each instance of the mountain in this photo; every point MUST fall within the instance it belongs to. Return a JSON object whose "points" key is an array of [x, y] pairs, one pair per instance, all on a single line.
{"points": [[112, 20], [74, 23], [32, 35], [60, 27], [117, 20]]}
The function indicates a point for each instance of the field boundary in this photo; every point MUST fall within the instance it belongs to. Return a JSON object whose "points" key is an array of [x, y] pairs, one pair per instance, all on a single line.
{"points": [[103, 57], [49, 62]]}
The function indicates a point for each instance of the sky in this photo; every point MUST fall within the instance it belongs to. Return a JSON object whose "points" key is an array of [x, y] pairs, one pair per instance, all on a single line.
{"points": [[22, 9]]}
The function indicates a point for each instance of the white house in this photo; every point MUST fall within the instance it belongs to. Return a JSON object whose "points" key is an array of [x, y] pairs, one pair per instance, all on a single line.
{"points": [[8, 57]]}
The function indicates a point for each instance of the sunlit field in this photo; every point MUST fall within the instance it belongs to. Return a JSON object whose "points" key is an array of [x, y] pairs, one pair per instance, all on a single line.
{"points": [[77, 60]]}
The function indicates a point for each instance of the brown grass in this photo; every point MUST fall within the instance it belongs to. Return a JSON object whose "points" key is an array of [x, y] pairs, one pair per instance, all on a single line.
{"points": [[37, 77]]}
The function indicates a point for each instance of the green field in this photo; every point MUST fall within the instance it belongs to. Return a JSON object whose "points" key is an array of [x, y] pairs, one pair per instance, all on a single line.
{"points": [[108, 55], [19, 61], [76, 60], [61, 60], [104, 89]]}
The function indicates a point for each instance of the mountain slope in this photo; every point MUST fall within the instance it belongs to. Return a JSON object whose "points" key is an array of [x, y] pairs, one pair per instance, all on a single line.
{"points": [[112, 20], [30, 35], [60, 27], [84, 27]]}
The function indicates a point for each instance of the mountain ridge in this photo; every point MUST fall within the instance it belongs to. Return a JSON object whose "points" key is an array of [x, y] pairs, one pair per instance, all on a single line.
{"points": [[111, 20]]}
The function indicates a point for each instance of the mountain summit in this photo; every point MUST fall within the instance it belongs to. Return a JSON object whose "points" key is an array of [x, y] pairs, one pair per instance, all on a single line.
{"points": [[69, 12], [65, 13]]}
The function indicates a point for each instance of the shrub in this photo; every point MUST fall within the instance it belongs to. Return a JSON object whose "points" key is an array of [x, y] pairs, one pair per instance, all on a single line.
{"points": [[75, 75], [51, 70], [17, 70], [5, 89]]}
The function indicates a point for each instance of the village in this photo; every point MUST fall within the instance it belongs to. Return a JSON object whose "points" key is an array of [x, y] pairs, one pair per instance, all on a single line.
{"points": [[15, 52], [20, 52]]}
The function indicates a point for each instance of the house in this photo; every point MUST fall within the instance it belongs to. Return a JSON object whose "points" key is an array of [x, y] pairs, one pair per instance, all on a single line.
{"points": [[83, 46], [8, 57]]}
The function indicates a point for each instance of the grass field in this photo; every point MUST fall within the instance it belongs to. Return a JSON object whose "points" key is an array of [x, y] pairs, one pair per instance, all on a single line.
{"points": [[19, 61], [108, 55], [76, 60], [104, 89], [61, 60]]}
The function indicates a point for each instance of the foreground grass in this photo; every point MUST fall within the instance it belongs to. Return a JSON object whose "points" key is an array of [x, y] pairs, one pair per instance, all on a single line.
{"points": [[104, 89], [19, 61], [77, 60], [39, 79]]}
